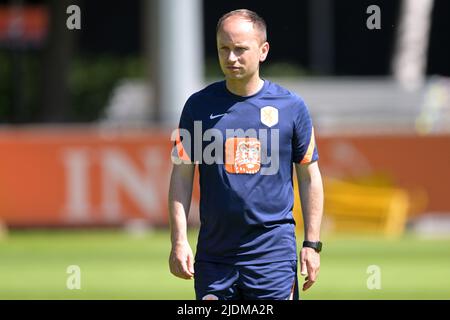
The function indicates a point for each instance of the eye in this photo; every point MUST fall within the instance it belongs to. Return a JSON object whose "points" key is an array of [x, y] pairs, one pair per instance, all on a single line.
{"points": [[240, 50]]}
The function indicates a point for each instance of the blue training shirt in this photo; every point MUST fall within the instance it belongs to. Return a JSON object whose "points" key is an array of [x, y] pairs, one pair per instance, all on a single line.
{"points": [[246, 192]]}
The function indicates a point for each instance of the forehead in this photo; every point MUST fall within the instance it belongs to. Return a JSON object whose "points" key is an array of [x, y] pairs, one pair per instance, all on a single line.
{"points": [[237, 29]]}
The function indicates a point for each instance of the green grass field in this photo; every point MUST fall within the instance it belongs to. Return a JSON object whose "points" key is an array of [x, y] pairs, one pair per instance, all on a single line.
{"points": [[117, 265]]}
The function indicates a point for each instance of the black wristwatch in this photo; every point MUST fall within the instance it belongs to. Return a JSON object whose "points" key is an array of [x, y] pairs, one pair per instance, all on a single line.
{"points": [[316, 245]]}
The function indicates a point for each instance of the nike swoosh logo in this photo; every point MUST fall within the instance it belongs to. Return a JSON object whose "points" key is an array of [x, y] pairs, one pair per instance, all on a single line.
{"points": [[211, 116]]}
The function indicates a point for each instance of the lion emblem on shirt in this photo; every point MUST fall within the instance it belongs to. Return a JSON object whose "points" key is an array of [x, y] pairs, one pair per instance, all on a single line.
{"points": [[247, 156]]}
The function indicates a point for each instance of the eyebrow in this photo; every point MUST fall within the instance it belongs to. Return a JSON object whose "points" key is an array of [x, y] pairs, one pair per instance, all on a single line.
{"points": [[239, 44]]}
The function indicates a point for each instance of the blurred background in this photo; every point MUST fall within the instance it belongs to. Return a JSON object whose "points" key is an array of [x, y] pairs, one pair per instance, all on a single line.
{"points": [[90, 92]]}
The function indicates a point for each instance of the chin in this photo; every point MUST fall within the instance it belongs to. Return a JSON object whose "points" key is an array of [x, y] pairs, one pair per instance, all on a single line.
{"points": [[233, 76]]}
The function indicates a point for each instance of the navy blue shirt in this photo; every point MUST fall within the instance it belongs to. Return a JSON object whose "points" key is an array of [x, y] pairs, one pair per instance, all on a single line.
{"points": [[245, 148]]}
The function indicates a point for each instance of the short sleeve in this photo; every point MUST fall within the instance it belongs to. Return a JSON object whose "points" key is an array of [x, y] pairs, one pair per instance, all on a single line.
{"points": [[183, 145], [304, 148]]}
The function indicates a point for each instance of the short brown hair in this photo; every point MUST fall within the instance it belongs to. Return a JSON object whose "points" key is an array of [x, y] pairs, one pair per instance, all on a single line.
{"points": [[258, 22]]}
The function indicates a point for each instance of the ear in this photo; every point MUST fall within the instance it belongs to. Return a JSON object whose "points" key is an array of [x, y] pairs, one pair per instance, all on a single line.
{"points": [[264, 51]]}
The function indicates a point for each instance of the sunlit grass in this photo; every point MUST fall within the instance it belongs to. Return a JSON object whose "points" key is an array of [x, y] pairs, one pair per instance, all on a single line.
{"points": [[118, 265]]}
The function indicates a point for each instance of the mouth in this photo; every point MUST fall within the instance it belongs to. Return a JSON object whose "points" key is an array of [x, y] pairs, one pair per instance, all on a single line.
{"points": [[233, 68]]}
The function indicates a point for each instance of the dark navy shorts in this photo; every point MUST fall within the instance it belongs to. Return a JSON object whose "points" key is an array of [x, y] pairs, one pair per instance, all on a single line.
{"points": [[271, 281]]}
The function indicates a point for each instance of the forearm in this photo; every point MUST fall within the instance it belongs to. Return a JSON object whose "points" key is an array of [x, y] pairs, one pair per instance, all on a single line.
{"points": [[178, 222], [311, 191], [180, 193]]}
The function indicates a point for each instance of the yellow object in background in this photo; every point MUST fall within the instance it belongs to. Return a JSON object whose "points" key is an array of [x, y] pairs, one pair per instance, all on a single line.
{"points": [[356, 208]]}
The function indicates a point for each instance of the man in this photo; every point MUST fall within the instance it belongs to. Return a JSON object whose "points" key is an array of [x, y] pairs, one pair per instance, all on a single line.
{"points": [[254, 130]]}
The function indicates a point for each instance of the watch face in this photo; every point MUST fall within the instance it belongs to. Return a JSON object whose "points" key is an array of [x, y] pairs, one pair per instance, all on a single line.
{"points": [[319, 246]]}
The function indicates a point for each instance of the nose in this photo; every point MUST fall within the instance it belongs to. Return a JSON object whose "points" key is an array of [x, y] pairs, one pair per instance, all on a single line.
{"points": [[232, 57]]}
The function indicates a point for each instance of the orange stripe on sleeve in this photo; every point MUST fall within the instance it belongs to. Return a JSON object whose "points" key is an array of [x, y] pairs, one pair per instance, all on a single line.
{"points": [[309, 153], [182, 154]]}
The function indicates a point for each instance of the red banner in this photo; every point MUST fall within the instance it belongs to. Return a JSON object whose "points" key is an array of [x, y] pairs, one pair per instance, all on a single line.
{"points": [[53, 177]]}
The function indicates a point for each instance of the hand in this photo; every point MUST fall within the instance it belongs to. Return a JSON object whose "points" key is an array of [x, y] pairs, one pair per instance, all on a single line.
{"points": [[181, 261], [309, 265]]}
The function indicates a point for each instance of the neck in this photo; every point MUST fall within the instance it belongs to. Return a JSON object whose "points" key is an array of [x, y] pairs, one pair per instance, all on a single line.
{"points": [[245, 87]]}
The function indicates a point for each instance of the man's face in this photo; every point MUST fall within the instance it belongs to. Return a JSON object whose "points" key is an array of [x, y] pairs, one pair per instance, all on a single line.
{"points": [[240, 48]]}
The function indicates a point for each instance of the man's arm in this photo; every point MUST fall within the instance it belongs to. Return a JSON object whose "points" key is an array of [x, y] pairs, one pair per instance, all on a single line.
{"points": [[311, 197], [181, 260]]}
